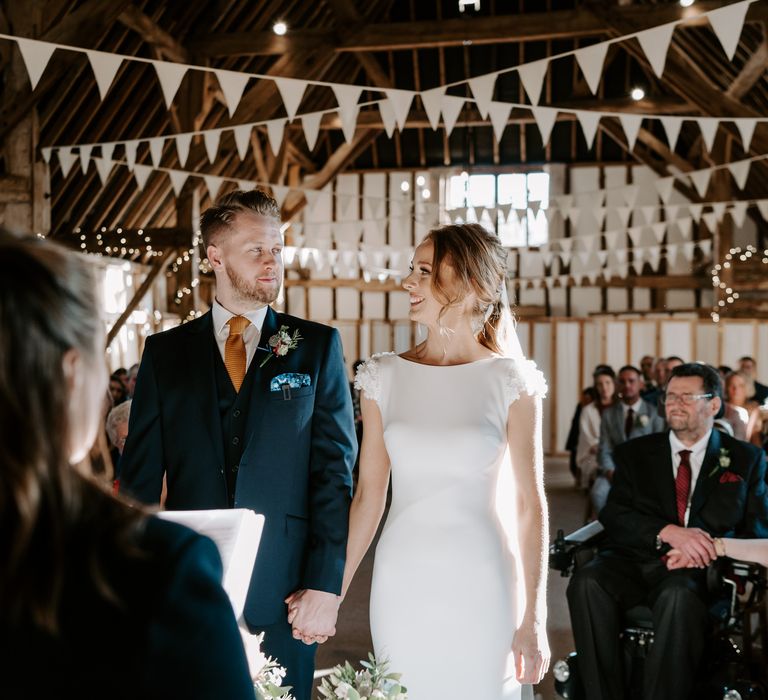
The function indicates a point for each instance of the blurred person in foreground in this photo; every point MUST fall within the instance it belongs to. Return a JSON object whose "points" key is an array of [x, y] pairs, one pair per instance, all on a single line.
{"points": [[97, 598]]}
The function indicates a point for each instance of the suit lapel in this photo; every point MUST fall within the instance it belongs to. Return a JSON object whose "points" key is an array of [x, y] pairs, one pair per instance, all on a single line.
{"points": [[708, 476], [201, 377], [663, 475]]}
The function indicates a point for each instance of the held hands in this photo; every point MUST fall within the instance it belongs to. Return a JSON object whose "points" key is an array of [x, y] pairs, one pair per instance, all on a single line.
{"points": [[312, 615], [691, 547], [677, 560], [531, 653]]}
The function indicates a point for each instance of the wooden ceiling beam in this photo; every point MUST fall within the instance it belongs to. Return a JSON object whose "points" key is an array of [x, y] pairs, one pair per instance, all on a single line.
{"points": [[751, 72], [166, 45]]}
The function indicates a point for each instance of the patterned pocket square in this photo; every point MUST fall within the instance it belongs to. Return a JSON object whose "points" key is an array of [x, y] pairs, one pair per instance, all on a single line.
{"points": [[729, 477], [292, 380]]}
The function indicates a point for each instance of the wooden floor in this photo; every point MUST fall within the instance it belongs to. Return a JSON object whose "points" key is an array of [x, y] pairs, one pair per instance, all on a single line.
{"points": [[353, 640]]}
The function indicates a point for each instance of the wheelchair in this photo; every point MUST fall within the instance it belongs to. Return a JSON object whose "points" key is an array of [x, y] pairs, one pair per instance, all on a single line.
{"points": [[730, 670]]}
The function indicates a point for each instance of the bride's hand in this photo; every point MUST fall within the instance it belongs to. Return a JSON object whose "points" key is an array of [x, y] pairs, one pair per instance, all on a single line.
{"points": [[531, 653]]}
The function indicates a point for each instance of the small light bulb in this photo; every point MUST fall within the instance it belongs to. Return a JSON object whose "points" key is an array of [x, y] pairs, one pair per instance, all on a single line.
{"points": [[637, 93], [280, 28], [686, 3], [420, 181], [405, 186], [425, 193]]}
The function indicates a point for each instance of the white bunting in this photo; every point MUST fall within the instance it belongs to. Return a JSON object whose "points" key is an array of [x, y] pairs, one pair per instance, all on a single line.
{"points": [[311, 125], [311, 196], [591, 60], [107, 149], [631, 125], [654, 256], [573, 216], [211, 138], [670, 212], [213, 183], [708, 127], [655, 44], [635, 234], [746, 128], [705, 247], [85, 157], [739, 213], [592, 277], [178, 178], [291, 91], [589, 121], [46, 153], [499, 114], [504, 209], [672, 129], [659, 230], [710, 219], [387, 116], [664, 186], [566, 244], [719, 210], [232, 85], [451, 109], [545, 119], [762, 206], [700, 179], [347, 96], [170, 76], [103, 168], [66, 159], [599, 214], [649, 213], [400, 101], [532, 77], [623, 214], [130, 152], [565, 201], [620, 255], [432, 101], [740, 171], [688, 249], [246, 185], [673, 251], [629, 193], [156, 150], [727, 23], [183, 142], [105, 67], [280, 192], [584, 258], [242, 136], [597, 198], [696, 210], [36, 55], [142, 173], [275, 129], [602, 256], [482, 90]]}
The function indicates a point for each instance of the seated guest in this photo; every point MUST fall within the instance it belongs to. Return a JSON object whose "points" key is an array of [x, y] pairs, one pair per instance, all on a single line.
{"points": [[738, 387], [588, 396], [117, 430], [646, 367], [130, 381], [97, 598], [117, 391], [604, 380], [629, 418], [653, 394], [676, 490], [724, 370], [748, 366], [672, 362]]}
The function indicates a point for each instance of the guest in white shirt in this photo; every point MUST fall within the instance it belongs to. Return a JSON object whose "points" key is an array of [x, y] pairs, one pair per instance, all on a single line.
{"points": [[604, 380]]}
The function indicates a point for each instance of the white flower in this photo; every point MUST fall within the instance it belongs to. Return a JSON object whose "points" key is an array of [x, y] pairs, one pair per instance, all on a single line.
{"points": [[642, 419], [342, 690]]}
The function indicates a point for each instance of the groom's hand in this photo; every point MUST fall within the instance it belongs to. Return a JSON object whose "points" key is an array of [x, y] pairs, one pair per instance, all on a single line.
{"points": [[313, 615], [696, 546]]}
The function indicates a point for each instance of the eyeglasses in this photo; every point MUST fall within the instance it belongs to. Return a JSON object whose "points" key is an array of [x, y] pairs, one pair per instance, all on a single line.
{"points": [[685, 399]]}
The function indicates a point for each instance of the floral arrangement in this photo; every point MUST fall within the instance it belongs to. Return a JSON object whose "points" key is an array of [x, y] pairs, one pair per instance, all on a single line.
{"points": [[266, 673], [281, 343], [642, 420], [371, 683]]}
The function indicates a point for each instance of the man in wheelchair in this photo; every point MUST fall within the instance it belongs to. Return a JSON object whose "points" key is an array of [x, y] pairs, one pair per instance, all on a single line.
{"points": [[671, 491]]}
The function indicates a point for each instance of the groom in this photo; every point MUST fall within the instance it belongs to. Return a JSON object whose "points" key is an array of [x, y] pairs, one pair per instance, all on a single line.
{"points": [[248, 408]]}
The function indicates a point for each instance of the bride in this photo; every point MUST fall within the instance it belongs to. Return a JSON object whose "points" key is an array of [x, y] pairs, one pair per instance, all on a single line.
{"points": [[458, 594]]}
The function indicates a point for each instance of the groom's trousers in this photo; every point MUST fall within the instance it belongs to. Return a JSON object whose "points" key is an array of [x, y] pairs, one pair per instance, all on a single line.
{"points": [[599, 593]]}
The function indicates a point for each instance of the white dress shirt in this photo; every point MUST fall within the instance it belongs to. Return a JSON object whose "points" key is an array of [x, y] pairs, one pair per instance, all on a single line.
{"points": [[635, 407], [696, 458], [251, 334]]}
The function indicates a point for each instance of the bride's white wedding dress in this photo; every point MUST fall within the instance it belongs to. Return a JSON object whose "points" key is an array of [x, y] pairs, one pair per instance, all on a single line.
{"points": [[445, 599]]}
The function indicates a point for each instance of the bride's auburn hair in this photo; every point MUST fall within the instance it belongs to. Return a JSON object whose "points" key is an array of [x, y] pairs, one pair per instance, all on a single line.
{"points": [[479, 265]]}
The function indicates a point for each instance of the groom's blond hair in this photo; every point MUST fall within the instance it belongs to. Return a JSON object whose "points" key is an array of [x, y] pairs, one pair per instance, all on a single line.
{"points": [[218, 218]]}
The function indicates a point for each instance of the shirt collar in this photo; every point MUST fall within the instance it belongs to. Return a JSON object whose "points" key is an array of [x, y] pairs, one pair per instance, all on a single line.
{"points": [[698, 448], [221, 316], [635, 406]]}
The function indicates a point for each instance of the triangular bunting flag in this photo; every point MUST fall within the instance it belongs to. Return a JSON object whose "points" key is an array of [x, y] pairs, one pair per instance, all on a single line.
{"points": [[85, 157], [36, 55], [739, 213], [105, 67], [245, 185], [46, 153], [347, 96], [170, 76], [433, 101], [499, 114], [451, 108], [211, 138], [727, 23], [710, 219], [631, 125], [156, 150], [602, 256], [591, 60], [762, 206], [688, 249], [141, 173], [685, 225], [655, 44], [213, 183], [670, 212], [107, 149], [275, 129], [719, 210], [649, 213], [584, 258], [280, 192], [400, 101], [653, 257], [696, 210], [740, 171], [565, 201], [620, 255], [232, 85], [311, 196], [746, 128], [659, 230], [664, 186], [700, 180], [635, 234], [545, 119], [311, 125], [103, 168], [566, 244], [589, 121], [242, 136], [482, 90], [387, 116], [130, 152], [705, 247], [291, 91], [599, 214], [629, 193], [178, 178], [623, 214], [183, 142], [573, 215], [532, 77], [672, 129], [708, 127]]}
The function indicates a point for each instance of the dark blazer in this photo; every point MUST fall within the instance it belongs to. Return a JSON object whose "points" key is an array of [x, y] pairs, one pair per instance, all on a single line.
{"points": [[761, 393], [642, 499], [296, 464], [173, 636]]}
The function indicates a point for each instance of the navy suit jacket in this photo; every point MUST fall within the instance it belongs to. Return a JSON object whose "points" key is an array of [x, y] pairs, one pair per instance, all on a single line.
{"points": [[642, 497], [296, 464]]}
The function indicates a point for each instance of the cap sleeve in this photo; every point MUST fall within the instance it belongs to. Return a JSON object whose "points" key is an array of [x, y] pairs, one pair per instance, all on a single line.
{"points": [[368, 377], [522, 376]]}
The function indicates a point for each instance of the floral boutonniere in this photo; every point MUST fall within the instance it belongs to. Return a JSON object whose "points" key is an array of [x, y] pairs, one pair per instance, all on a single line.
{"points": [[641, 420], [723, 464], [281, 343]]}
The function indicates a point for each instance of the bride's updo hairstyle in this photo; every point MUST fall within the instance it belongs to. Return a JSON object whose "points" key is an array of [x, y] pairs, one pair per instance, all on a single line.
{"points": [[479, 265]]}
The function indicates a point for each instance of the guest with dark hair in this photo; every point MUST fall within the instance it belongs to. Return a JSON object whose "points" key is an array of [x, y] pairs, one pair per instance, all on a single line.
{"points": [[97, 599], [748, 366], [738, 388], [588, 395], [604, 380], [117, 390]]}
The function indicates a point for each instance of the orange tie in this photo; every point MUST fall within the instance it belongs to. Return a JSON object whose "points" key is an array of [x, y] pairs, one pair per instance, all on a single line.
{"points": [[234, 350]]}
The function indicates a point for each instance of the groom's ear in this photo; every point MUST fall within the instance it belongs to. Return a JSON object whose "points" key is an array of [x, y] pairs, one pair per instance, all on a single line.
{"points": [[214, 256]]}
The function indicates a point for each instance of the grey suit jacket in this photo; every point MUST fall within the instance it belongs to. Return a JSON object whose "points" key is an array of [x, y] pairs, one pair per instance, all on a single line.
{"points": [[647, 421]]}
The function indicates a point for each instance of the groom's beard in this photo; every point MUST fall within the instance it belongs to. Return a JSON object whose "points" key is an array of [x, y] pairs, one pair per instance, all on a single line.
{"points": [[254, 291]]}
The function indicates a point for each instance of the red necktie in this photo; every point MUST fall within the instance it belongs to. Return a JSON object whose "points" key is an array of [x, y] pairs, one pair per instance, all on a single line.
{"points": [[629, 423], [683, 484]]}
